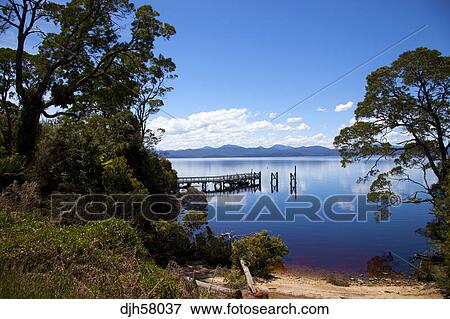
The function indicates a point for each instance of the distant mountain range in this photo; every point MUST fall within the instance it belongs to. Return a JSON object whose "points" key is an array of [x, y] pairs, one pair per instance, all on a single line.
{"points": [[239, 151]]}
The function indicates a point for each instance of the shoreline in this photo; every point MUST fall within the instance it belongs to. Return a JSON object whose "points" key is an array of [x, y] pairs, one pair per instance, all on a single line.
{"points": [[312, 283], [315, 285]]}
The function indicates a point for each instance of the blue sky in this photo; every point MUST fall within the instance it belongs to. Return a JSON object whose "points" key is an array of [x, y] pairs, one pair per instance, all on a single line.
{"points": [[241, 62], [265, 56]]}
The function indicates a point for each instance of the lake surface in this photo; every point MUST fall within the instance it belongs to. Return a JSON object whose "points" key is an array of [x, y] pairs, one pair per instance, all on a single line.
{"points": [[327, 245]]}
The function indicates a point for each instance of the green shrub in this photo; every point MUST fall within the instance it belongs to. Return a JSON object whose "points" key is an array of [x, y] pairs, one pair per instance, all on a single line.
{"points": [[11, 169], [261, 251], [166, 241], [194, 220], [104, 259], [118, 177], [188, 240], [67, 159], [211, 249], [234, 278]]}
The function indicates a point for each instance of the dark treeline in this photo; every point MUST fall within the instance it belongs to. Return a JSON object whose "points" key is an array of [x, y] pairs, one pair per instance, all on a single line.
{"points": [[74, 114]]}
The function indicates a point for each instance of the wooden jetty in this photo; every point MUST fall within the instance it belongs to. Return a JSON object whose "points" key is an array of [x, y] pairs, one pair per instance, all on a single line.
{"points": [[222, 183]]}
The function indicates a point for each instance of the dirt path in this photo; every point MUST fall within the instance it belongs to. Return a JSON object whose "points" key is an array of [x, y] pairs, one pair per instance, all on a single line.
{"points": [[287, 285]]}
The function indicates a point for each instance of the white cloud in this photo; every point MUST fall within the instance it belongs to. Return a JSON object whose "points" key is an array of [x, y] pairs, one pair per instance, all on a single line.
{"points": [[272, 115], [303, 126], [321, 109], [317, 139], [294, 119], [343, 107], [350, 123], [231, 126]]}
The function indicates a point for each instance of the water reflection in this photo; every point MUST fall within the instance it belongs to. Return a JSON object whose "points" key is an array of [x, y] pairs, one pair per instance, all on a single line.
{"points": [[326, 244]]}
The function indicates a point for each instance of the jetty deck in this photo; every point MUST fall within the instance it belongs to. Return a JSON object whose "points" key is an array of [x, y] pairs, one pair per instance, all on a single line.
{"points": [[222, 183]]}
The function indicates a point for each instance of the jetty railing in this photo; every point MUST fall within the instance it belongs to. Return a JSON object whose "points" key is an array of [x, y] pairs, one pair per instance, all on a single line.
{"points": [[222, 182]]}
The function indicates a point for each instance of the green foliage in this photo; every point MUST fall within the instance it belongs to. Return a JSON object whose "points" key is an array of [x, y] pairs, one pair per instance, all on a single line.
{"points": [[211, 249], [104, 154], [167, 241], [404, 116], [103, 71], [31, 240], [439, 232], [444, 280], [68, 159], [234, 278], [13, 164], [188, 240], [260, 251], [12, 168], [97, 260], [118, 177], [194, 220], [155, 173]]}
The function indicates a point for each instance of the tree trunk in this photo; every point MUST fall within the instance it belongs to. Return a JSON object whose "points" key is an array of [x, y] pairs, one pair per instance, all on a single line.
{"points": [[28, 128]]}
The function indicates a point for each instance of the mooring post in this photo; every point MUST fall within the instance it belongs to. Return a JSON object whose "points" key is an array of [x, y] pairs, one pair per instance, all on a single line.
{"points": [[274, 182], [293, 181]]}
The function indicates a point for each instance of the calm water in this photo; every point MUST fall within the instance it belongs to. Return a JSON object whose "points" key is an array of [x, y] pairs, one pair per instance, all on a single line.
{"points": [[325, 245]]}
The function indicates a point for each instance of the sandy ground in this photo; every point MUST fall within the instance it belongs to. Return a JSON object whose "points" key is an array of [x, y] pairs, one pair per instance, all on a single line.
{"points": [[310, 284], [285, 285]]}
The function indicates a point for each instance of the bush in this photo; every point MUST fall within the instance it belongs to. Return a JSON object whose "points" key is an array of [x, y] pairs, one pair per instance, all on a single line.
{"points": [[442, 237], [11, 169], [118, 177], [155, 173], [167, 241], [103, 259], [188, 240], [67, 159], [234, 278], [211, 249], [75, 156], [261, 251], [194, 220]]}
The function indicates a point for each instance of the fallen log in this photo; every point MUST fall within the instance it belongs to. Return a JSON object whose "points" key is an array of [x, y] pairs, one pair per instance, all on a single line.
{"points": [[235, 293]]}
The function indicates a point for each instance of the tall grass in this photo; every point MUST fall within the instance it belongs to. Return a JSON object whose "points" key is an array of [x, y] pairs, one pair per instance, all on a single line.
{"points": [[103, 259]]}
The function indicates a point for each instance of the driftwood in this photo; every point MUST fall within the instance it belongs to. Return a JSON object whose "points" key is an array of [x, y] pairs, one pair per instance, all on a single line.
{"points": [[235, 293], [258, 293], [248, 277]]}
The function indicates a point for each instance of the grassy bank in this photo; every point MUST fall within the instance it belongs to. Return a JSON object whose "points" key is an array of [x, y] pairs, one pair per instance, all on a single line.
{"points": [[103, 259]]}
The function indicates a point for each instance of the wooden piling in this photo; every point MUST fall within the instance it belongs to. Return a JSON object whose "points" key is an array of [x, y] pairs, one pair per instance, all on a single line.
{"points": [[293, 181]]}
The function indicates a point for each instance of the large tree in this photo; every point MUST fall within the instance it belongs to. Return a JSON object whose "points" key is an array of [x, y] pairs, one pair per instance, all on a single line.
{"points": [[84, 59], [405, 116]]}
